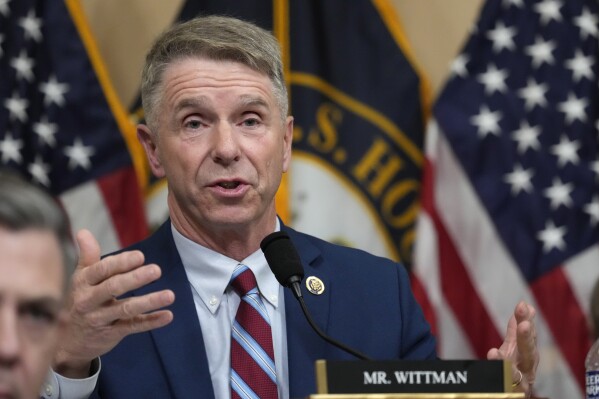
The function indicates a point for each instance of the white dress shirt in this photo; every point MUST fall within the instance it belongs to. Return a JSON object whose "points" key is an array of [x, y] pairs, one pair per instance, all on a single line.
{"points": [[216, 303]]}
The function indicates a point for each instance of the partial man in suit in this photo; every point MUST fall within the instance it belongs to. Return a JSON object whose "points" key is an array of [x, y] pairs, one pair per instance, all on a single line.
{"points": [[37, 256], [156, 320]]}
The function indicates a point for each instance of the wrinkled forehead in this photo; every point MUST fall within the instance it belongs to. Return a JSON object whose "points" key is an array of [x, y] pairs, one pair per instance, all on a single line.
{"points": [[199, 66], [192, 81]]}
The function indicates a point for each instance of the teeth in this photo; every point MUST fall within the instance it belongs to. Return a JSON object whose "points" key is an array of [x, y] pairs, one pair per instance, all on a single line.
{"points": [[228, 184]]}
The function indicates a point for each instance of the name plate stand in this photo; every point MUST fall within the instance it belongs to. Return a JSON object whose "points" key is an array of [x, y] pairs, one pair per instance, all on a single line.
{"points": [[403, 379]]}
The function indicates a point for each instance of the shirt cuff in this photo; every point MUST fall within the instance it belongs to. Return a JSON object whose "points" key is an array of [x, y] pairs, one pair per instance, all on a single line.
{"points": [[60, 387]]}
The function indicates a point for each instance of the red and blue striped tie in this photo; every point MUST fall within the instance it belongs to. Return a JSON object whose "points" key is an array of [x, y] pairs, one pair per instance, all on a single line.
{"points": [[252, 357]]}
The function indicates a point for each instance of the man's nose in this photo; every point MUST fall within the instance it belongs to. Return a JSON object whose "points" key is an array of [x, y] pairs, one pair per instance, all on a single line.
{"points": [[225, 148], [9, 337]]}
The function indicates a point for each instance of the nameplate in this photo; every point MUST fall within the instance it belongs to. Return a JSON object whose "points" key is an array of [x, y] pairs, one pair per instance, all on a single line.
{"points": [[413, 376]]}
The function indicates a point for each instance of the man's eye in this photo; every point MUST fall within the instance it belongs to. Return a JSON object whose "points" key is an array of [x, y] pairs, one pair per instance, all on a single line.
{"points": [[193, 124], [37, 315], [250, 122]]}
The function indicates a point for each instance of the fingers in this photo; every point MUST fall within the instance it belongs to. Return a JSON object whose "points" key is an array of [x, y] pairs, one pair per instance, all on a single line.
{"points": [[109, 277], [92, 297], [521, 311], [89, 255], [494, 354], [135, 309], [119, 284], [526, 347], [136, 306], [99, 281], [524, 312], [520, 383], [98, 320], [145, 322], [113, 265], [527, 341], [520, 347], [89, 249]]}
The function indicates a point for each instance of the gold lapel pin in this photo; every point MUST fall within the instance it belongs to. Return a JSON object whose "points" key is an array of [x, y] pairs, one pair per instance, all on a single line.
{"points": [[314, 285]]}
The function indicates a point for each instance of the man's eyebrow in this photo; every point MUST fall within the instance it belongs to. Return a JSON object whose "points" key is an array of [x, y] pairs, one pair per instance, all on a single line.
{"points": [[202, 102], [194, 102], [248, 100]]}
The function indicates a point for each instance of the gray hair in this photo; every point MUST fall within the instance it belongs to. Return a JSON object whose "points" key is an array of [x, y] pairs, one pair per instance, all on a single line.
{"points": [[216, 38], [25, 206]]}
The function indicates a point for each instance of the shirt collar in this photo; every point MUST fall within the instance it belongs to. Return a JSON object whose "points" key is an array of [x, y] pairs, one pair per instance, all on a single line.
{"points": [[209, 272]]}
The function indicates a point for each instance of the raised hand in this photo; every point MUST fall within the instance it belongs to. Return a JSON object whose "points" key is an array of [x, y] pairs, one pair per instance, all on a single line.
{"points": [[98, 320], [520, 347]]}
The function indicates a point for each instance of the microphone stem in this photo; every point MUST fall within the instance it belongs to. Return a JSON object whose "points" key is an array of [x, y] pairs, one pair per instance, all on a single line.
{"points": [[326, 337]]}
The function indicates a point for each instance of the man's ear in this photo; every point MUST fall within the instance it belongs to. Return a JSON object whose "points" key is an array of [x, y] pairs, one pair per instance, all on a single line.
{"points": [[287, 141], [148, 140]]}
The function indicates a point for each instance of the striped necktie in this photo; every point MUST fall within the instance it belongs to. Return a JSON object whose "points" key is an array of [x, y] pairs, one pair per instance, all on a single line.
{"points": [[252, 357]]}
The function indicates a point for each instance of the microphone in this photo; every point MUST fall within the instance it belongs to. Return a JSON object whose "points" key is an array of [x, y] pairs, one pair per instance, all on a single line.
{"points": [[284, 261]]}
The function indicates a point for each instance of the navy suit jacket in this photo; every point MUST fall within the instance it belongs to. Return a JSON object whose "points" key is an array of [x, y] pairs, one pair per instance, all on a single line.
{"points": [[367, 304]]}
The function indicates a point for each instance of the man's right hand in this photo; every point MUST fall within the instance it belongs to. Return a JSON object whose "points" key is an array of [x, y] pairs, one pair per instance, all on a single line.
{"points": [[98, 320]]}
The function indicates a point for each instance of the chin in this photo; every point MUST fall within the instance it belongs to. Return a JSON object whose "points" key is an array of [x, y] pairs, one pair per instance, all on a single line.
{"points": [[237, 218], [230, 219]]}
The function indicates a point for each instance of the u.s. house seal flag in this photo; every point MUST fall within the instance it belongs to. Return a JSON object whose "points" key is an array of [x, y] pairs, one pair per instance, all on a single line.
{"points": [[356, 99]]}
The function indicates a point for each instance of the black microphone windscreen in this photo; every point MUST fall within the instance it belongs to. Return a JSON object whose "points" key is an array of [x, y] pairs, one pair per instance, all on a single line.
{"points": [[282, 257]]}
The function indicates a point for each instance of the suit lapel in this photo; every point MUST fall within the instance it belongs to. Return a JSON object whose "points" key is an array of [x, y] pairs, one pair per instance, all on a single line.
{"points": [[304, 346], [179, 344]]}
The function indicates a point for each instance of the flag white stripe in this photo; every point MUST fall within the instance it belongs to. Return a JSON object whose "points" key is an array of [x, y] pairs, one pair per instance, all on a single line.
{"points": [[456, 344], [481, 250], [582, 271], [87, 209]]}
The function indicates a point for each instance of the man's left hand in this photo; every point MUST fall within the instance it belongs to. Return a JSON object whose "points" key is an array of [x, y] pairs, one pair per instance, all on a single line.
{"points": [[520, 347]]}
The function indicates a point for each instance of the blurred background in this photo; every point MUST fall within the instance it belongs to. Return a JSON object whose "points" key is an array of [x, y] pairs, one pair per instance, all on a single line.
{"points": [[124, 31]]}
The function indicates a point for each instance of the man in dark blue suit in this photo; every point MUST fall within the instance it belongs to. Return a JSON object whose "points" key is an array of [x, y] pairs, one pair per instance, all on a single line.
{"points": [[218, 130]]}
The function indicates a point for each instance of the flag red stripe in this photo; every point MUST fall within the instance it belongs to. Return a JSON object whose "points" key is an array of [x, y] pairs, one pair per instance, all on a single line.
{"points": [[122, 196], [420, 294], [456, 284], [560, 308]]}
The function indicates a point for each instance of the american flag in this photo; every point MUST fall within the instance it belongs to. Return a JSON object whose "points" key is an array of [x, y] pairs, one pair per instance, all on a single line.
{"points": [[510, 199], [61, 124]]}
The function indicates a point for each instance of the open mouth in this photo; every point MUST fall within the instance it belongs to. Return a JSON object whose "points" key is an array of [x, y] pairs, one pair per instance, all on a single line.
{"points": [[229, 185]]}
